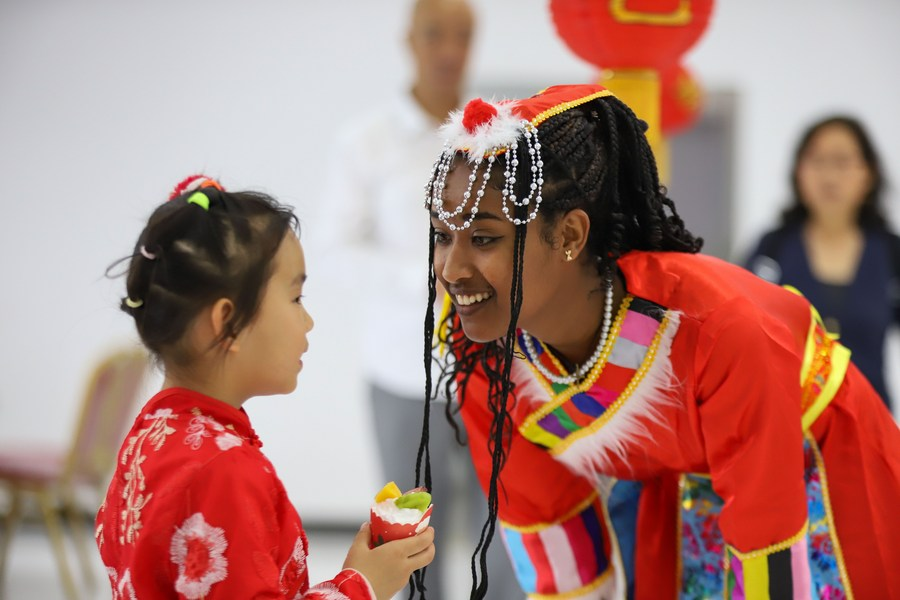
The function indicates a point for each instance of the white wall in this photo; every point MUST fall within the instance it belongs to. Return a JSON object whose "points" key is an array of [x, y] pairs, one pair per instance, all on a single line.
{"points": [[104, 105]]}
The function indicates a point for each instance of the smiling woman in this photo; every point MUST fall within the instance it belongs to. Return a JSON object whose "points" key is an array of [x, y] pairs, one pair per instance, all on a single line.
{"points": [[632, 407]]}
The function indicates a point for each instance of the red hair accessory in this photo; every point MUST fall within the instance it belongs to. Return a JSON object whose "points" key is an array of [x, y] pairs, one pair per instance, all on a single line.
{"points": [[477, 112], [194, 182]]}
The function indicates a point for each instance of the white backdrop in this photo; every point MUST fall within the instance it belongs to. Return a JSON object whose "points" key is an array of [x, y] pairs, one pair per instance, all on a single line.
{"points": [[104, 105]]}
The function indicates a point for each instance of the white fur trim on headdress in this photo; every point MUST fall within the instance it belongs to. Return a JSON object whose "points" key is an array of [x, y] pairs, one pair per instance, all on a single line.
{"points": [[484, 130], [490, 137]]}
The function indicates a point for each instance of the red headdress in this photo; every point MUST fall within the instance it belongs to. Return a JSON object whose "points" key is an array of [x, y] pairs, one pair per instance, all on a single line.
{"points": [[485, 130]]}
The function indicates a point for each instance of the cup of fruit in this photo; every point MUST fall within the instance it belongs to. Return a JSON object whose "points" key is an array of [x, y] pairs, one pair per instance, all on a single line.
{"points": [[396, 515]]}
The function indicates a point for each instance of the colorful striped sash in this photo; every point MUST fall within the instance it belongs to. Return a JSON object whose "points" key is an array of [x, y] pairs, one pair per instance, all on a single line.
{"points": [[564, 559], [628, 354]]}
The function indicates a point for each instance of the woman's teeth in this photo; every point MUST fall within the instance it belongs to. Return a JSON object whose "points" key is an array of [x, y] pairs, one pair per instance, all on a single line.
{"points": [[463, 300]]}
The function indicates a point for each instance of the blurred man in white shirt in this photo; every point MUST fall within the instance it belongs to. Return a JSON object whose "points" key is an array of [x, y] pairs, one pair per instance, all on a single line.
{"points": [[373, 216]]}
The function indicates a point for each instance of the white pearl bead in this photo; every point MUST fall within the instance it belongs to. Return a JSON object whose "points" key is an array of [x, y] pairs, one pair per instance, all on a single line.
{"points": [[586, 368]]}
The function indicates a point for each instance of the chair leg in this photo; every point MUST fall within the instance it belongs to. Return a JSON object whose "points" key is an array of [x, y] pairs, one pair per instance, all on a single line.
{"points": [[48, 507], [10, 521], [82, 543]]}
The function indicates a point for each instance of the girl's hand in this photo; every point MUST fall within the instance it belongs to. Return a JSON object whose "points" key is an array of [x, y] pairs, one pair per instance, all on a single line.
{"points": [[389, 566]]}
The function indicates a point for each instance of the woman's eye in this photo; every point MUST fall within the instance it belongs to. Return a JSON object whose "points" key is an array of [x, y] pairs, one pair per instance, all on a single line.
{"points": [[299, 299], [441, 238], [482, 240]]}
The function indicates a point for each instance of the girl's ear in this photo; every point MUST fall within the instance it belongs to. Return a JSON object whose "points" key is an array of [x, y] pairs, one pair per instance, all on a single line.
{"points": [[573, 230], [219, 315]]}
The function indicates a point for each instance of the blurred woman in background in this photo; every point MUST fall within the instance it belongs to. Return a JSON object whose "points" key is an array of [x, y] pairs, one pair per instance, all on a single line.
{"points": [[834, 243]]}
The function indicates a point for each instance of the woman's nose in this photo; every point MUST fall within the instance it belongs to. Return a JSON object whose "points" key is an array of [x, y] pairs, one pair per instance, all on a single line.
{"points": [[456, 265]]}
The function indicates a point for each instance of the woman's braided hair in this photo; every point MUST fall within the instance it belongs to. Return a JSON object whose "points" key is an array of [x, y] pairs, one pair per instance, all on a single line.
{"points": [[596, 158]]}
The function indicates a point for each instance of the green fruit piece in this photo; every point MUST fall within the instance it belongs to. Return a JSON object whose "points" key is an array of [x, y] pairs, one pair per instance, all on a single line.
{"points": [[418, 500]]}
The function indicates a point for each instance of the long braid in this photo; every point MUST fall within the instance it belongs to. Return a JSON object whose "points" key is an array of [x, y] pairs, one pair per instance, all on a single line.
{"points": [[417, 579], [501, 426], [424, 452], [616, 229]]}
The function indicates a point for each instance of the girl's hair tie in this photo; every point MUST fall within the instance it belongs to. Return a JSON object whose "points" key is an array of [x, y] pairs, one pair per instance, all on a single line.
{"points": [[147, 254], [194, 182]]}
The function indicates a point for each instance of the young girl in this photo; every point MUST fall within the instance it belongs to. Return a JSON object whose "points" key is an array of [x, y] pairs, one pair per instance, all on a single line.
{"points": [[195, 510], [647, 422]]}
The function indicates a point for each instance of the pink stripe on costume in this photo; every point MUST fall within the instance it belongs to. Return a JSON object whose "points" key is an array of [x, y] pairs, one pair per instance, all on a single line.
{"points": [[738, 569], [639, 328], [603, 395], [800, 575], [562, 559], [544, 583], [582, 547]]}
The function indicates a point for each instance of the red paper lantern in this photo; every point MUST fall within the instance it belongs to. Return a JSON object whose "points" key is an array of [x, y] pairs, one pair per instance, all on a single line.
{"points": [[630, 34], [681, 99]]}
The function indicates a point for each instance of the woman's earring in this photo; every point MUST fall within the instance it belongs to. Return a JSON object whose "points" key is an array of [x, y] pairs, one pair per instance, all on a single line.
{"points": [[568, 255]]}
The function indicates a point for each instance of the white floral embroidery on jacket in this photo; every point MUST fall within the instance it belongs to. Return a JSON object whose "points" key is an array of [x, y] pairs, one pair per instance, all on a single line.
{"points": [[202, 426], [121, 586], [133, 456], [198, 549]]}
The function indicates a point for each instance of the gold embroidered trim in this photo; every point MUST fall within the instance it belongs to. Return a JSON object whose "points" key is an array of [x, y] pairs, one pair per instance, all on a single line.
{"points": [[827, 369], [560, 108], [551, 112], [784, 545], [576, 592], [823, 368]]}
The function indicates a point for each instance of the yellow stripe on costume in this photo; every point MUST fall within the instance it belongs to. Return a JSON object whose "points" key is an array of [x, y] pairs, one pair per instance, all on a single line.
{"points": [[816, 353], [840, 360], [756, 578], [755, 565], [537, 434]]}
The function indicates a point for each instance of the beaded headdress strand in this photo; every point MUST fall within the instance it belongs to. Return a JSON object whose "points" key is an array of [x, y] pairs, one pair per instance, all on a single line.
{"points": [[484, 131]]}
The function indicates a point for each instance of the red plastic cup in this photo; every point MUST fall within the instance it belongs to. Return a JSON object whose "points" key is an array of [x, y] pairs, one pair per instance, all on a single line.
{"points": [[387, 531]]}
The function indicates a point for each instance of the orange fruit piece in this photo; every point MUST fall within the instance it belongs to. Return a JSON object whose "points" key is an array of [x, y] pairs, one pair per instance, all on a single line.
{"points": [[388, 491]]}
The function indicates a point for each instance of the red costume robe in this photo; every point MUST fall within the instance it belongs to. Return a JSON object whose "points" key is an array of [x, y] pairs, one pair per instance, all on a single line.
{"points": [[723, 446], [195, 510]]}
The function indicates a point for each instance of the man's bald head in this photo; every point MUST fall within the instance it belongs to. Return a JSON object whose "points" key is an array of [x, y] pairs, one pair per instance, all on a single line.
{"points": [[421, 8], [440, 35]]}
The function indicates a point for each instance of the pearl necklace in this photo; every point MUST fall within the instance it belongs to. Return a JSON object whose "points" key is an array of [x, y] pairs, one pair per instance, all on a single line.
{"points": [[584, 369]]}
